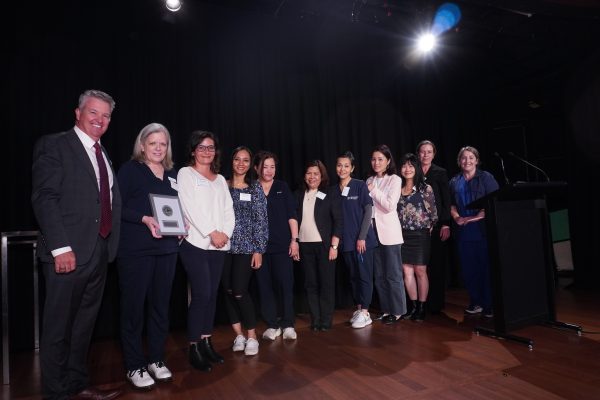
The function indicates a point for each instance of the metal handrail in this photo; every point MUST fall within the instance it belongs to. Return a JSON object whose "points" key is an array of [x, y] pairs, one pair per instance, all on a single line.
{"points": [[13, 238]]}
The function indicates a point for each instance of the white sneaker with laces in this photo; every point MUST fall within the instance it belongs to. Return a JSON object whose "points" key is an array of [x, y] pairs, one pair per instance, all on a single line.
{"points": [[290, 333], [355, 315], [239, 344], [271, 333], [251, 347], [362, 320], [140, 379], [473, 309], [159, 371]]}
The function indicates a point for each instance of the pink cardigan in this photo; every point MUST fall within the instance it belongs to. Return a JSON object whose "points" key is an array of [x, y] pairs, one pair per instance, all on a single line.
{"points": [[386, 195]]}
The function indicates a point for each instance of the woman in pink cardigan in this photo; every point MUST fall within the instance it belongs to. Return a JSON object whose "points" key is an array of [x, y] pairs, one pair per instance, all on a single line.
{"points": [[385, 188]]}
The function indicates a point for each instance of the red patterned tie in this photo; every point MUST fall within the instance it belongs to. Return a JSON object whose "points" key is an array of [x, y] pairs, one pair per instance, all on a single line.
{"points": [[105, 212]]}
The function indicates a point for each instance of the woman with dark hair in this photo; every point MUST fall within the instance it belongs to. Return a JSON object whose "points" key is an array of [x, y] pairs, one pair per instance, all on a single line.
{"points": [[437, 178], [418, 215], [275, 278], [248, 242], [208, 208], [358, 237], [467, 186], [385, 188], [146, 260], [320, 230]]}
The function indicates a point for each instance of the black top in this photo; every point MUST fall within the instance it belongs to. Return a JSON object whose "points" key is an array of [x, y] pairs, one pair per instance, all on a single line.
{"points": [[438, 179], [281, 207], [136, 181]]}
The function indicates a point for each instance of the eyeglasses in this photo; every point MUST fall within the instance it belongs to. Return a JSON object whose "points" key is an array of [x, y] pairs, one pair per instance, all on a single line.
{"points": [[205, 149]]}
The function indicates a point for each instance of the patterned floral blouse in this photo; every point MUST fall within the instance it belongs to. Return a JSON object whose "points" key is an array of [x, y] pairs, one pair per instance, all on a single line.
{"points": [[251, 230], [417, 210]]}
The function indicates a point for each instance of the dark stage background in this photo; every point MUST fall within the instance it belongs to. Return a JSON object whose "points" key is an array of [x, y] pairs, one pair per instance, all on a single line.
{"points": [[308, 80]]}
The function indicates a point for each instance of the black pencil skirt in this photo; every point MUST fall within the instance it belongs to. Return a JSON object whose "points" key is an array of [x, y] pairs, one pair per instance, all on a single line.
{"points": [[416, 247]]}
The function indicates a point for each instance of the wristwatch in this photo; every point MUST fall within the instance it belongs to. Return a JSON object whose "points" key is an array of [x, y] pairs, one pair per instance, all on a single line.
{"points": [[297, 240], [334, 246]]}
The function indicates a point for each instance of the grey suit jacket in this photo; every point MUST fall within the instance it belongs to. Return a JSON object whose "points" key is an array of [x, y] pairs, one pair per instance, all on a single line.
{"points": [[66, 198]]}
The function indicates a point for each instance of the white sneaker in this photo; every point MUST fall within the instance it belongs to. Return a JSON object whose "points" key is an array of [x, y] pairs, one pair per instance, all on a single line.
{"points": [[271, 333], [474, 309], [159, 371], [355, 315], [140, 378], [362, 320], [290, 333], [239, 344], [251, 347]]}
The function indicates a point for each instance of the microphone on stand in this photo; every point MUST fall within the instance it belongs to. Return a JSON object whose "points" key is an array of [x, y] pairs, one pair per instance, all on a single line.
{"points": [[510, 153], [502, 165]]}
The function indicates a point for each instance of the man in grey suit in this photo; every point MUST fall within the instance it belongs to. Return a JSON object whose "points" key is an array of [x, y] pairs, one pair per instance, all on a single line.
{"points": [[77, 205]]}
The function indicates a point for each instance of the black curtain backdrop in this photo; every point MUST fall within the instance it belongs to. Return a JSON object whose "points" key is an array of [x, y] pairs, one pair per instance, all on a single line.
{"points": [[303, 88]]}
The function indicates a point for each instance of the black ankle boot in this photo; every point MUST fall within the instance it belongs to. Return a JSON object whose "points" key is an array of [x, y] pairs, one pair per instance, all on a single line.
{"points": [[197, 360], [207, 350], [419, 314], [411, 307]]}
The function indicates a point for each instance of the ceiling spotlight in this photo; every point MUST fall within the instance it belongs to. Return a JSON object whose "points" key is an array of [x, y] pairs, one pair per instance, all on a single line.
{"points": [[173, 5], [426, 43]]}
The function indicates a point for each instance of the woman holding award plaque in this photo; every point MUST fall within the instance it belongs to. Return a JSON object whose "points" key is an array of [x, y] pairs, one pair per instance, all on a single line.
{"points": [[146, 259]]}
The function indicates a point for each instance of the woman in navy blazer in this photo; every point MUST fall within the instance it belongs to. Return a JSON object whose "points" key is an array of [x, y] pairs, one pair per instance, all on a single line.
{"points": [[320, 230]]}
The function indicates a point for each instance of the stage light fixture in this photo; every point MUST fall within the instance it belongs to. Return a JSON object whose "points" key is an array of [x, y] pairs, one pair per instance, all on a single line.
{"points": [[173, 5], [426, 43]]}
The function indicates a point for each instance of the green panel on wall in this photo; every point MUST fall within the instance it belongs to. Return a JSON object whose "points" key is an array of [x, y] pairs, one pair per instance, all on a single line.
{"points": [[559, 223]]}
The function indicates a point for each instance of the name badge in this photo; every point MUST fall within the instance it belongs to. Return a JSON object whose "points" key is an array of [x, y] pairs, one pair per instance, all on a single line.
{"points": [[174, 185], [346, 191], [245, 197], [321, 195], [201, 182]]}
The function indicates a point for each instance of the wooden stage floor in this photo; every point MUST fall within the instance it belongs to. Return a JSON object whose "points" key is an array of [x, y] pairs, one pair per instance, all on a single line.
{"points": [[440, 358]]}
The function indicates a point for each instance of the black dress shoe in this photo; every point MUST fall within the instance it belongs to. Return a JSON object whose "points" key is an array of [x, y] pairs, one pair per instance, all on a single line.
{"points": [[96, 394], [391, 319], [325, 328], [315, 328]]}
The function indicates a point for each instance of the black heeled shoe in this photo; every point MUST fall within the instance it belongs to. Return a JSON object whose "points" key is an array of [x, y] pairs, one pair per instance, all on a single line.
{"points": [[419, 314], [197, 360], [412, 306], [208, 351]]}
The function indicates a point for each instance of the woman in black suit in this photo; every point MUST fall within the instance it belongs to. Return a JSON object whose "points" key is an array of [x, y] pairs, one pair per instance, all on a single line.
{"points": [[437, 178], [320, 222]]}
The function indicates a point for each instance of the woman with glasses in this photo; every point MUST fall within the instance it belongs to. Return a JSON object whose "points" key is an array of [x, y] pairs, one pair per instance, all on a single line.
{"points": [[208, 209]]}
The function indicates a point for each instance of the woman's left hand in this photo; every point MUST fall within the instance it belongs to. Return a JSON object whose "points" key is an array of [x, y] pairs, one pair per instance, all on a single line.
{"points": [[333, 253]]}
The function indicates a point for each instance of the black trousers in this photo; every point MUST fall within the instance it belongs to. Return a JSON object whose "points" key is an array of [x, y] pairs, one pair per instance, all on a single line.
{"points": [[319, 282], [436, 272], [70, 311], [235, 281], [275, 281], [145, 281]]}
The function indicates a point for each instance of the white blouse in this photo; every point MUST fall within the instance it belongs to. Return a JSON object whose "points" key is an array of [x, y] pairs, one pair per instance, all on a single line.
{"points": [[207, 206]]}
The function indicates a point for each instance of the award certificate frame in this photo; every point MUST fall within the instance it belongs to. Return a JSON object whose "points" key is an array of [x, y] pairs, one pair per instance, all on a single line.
{"points": [[168, 213]]}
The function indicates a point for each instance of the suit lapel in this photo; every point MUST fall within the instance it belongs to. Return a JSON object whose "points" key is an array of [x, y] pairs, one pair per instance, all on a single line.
{"points": [[82, 157]]}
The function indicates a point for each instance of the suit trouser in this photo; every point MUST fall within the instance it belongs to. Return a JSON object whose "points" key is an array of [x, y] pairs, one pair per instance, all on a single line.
{"points": [[275, 281], [436, 272], [145, 280], [319, 282], [70, 311], [475, 265], [389, 281]]}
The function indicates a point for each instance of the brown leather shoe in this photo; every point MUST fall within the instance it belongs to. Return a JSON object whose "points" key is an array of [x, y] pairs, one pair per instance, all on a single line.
{"points": [[96, 394]]}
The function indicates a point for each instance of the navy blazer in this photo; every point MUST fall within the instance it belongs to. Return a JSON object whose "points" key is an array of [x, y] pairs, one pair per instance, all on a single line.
{"points": [[66, 198], [328, 214]]}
